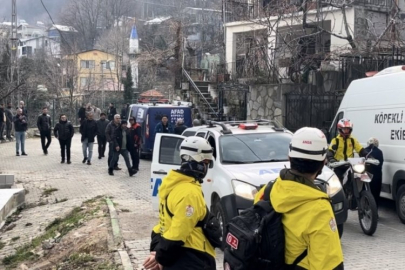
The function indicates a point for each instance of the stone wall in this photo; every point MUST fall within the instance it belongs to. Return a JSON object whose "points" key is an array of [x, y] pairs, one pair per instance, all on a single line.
{"points": [[267, 101]]}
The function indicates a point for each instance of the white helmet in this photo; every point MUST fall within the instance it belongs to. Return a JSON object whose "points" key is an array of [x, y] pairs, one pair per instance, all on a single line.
{"points": [[373, 141], [308, 143], [195, 148]]}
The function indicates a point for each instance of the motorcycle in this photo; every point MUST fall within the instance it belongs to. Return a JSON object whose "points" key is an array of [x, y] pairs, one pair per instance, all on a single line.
{"points": [[356, 184]]}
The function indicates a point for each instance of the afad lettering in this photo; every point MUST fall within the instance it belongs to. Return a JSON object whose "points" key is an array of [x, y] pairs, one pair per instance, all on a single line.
{"points": [[155, 188], [389, 118], [398, 135], [271, 171], [177, 112]]}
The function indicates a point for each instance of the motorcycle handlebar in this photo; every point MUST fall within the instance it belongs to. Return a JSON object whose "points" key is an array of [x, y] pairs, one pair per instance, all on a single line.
{"points": [[338, 164]]}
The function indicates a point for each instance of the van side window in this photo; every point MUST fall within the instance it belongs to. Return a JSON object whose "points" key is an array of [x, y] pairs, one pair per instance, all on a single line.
{"points": [[333, 130], [211, 140]]}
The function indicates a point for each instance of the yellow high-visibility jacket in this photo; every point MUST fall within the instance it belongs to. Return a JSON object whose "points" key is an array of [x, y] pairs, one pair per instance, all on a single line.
{"points": [[342, 149], [185, 201], [308, 221]]}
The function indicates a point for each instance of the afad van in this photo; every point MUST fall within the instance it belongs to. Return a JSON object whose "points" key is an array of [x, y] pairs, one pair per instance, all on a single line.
{"points": [[149, 115], [375, 105]]}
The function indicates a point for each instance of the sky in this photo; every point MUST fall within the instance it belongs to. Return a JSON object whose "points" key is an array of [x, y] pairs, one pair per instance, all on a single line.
{"points": [[31, 10]]}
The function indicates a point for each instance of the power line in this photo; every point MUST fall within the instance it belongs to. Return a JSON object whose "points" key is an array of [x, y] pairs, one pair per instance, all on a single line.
{"points": [[50, 17]]}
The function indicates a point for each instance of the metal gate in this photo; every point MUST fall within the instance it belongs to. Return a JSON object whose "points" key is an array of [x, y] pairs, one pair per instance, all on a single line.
{"points": [[308, 107]]}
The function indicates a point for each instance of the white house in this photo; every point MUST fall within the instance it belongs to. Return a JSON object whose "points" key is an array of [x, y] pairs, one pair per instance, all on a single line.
{"points": [[29, 47], [366, 24]]}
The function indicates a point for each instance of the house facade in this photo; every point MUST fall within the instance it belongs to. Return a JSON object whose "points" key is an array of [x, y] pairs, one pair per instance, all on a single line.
{"points": [[96, 71], [32, 46], [296, 37]]}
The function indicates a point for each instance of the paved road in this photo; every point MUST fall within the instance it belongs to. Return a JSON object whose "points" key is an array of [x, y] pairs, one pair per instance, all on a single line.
{"points": [[78, 182]]}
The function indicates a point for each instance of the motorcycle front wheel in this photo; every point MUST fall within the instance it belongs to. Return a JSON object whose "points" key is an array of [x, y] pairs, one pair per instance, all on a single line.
{"points": [[368, 213]]}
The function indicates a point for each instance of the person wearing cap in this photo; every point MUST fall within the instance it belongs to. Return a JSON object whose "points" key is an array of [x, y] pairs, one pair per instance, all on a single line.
{"points": [[307, 216], [180, 126], [376, 171]]}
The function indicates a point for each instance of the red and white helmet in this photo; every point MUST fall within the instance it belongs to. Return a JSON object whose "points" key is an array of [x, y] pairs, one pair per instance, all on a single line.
{"points": [[345, 127]]}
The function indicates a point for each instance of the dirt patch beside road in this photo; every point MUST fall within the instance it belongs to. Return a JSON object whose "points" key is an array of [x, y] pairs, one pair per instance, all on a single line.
{"points": [[78, 241]]}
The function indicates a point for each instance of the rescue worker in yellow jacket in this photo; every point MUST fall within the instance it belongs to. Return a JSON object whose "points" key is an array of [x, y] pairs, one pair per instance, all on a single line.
{"points": [[307, 216], [177, 243], [343, 146]]}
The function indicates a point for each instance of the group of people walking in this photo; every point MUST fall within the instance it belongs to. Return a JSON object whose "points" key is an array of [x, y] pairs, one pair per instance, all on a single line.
{"points": [[122, 140]]}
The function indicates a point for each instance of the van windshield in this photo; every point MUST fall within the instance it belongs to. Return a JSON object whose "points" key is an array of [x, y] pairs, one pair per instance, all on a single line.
{"points": [[254, 148]]}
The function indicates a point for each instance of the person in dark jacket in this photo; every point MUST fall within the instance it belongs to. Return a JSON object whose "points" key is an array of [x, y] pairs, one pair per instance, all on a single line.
{"points": [[2, 121], [112, 111], [9, 122], [180, 127], [376, 171], [64, 132], [44, 127], [124, 111], [121, 145], [164, 126], [88, 130], [101, 139], [82, 113], [23, 109], [20, 126], [109, 135], [135, 136]]}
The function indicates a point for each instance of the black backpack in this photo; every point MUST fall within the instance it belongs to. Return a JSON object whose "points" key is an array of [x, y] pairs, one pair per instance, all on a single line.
{"points": [[209, 225], [255, 239]]}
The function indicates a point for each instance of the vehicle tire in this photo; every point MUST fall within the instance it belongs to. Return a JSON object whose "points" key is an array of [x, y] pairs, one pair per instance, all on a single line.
{"points": [[340, 229], [368, 213], [400, 203], [220, 214]]}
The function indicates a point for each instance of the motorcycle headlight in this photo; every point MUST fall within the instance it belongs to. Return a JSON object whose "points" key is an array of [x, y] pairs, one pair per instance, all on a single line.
{"points": [[334, 186], [359, 168], [244, 190]]}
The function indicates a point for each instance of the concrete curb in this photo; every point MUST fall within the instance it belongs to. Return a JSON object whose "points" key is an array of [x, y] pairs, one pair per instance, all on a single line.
{"points": [[118, 240]]}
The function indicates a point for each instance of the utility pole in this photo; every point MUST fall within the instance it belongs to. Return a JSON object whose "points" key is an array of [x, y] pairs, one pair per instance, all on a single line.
{"points": [[14, 39]]}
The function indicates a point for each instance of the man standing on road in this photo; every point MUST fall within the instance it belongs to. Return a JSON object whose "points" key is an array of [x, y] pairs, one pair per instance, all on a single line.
{"points": [[124, 111], [20, 126], [112, 111], [110, 135], [64, 132], [180, 126], [44, 126], [2, 122], [82, 113], [309, 223], [23, 109], [88, 130], [164, 126], [121, 146], [101, 139], [135, 136], [9, 121]]}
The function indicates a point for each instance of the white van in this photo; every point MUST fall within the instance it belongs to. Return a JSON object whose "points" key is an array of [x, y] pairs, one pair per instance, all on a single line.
{"points": [[375, 106]]}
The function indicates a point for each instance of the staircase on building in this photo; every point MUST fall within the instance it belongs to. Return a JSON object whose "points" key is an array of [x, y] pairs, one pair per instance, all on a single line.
{"points": [[205, 105]]}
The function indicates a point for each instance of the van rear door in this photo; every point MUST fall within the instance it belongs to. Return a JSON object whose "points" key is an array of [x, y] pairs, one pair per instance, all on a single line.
{"points": [[166, 157]]}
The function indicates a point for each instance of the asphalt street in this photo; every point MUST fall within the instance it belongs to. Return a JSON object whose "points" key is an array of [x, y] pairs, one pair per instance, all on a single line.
{"points": [[78, 182]]}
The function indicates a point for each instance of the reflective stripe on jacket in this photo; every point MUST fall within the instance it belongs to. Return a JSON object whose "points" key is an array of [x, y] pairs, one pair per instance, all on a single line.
{"points": [[308, 220], [343, 148], [186, 203]]}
